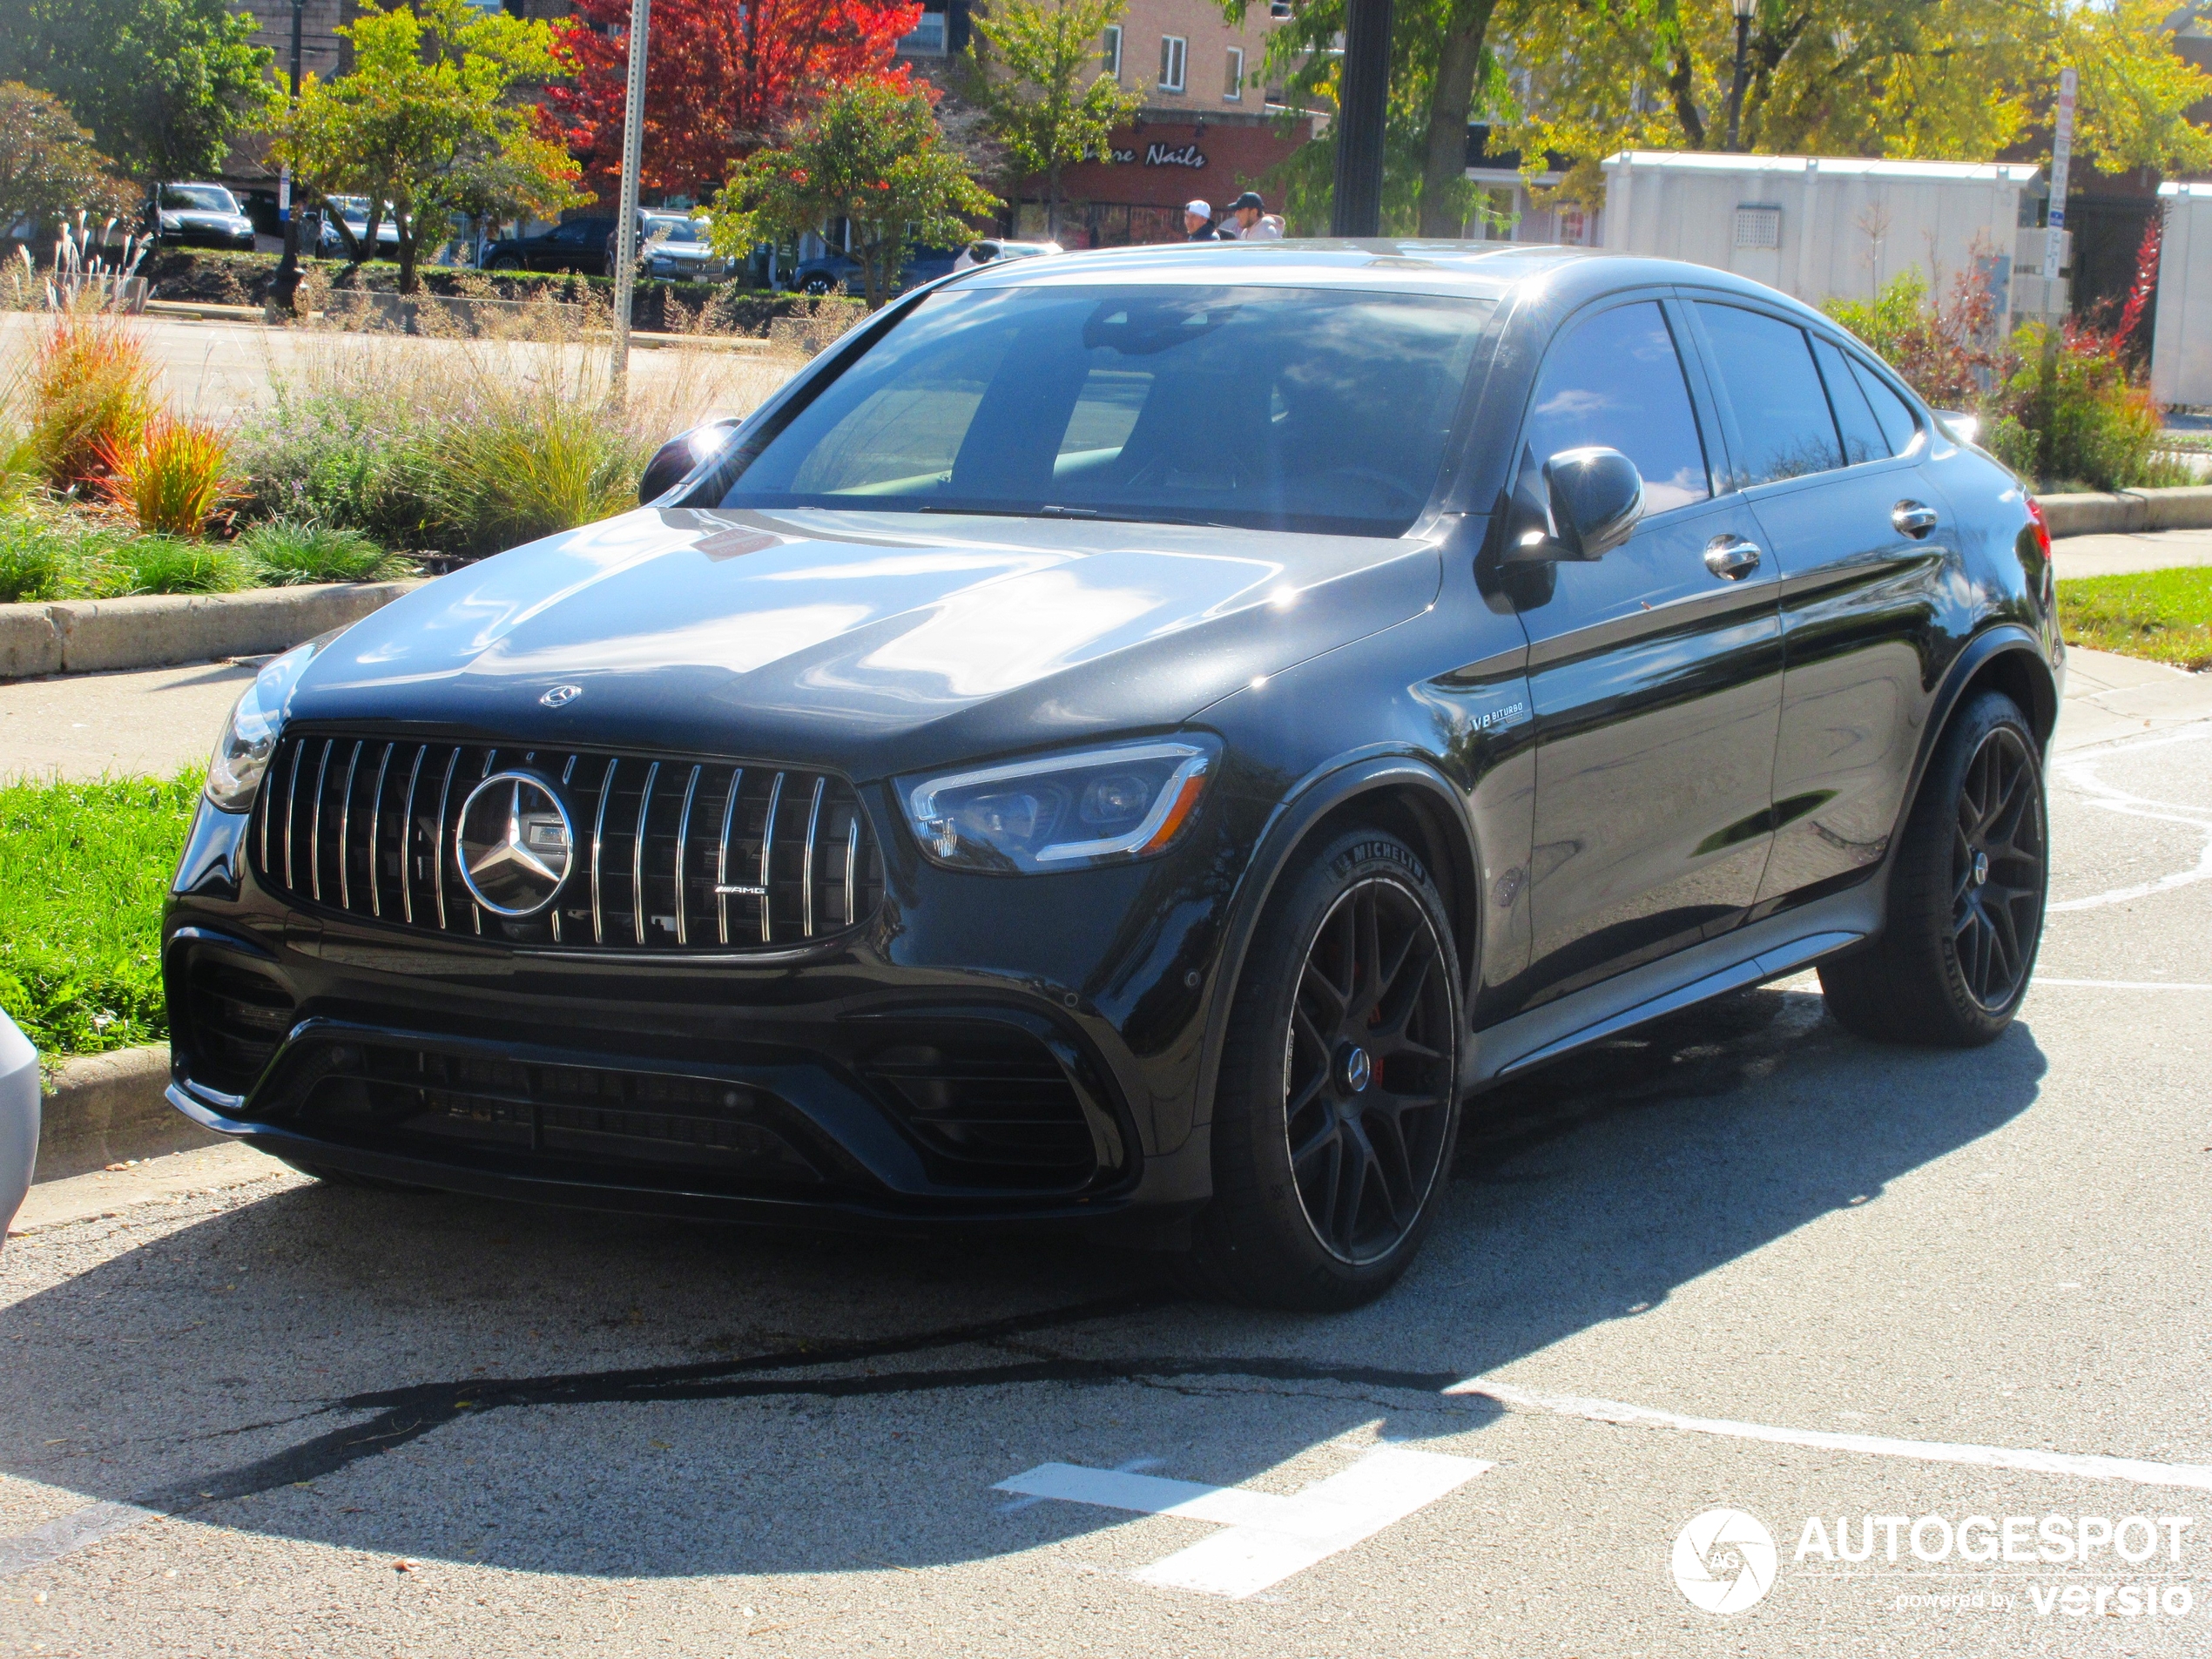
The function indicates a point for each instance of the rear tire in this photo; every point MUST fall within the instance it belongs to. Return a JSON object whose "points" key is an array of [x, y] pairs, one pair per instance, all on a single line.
{"points": [[1337, 1106], [1966, 894]]}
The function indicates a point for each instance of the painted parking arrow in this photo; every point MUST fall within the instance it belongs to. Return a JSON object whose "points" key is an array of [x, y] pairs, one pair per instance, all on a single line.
{"points": [[1265, 1537]]}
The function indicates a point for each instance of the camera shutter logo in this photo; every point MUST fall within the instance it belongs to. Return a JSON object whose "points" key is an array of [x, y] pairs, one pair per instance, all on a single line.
{"points": [[512, 843], [1724, 1562]]}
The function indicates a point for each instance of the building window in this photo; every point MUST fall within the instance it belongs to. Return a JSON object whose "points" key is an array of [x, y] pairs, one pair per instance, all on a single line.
{"points": [[1174, 51], [1109, 52], [1232, 82], [1573, 226], [927, 36], [1279, 7]]}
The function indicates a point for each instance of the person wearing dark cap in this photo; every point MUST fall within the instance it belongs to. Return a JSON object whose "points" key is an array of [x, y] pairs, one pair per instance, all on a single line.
{"points": [[1250, 221], [1197, 220]]}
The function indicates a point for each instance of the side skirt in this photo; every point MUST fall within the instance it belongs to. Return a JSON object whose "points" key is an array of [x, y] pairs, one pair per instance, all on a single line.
{"points": [[1781, 944]]}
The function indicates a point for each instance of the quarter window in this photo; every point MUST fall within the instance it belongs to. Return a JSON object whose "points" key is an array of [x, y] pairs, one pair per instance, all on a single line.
{"points": [[1767, 374], [1895, 415], [1616, 381], [1174, 51], [1863, 437]]}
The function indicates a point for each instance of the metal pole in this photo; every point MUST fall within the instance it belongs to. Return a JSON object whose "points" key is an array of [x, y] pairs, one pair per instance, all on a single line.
{"points": [[287, 278], [633, 146], [1362, 104], [1735, 89], [2062, 162]]}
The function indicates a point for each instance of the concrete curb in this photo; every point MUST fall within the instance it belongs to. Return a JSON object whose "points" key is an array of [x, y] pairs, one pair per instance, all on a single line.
{"points": [[109, 1107], [2186, 507], [83, 636]]}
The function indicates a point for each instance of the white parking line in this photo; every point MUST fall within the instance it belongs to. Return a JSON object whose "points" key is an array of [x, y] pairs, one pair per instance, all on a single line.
{"points": [[2197, 1476], [72, 1532], [2081, 772], [2124, 984], [1267, 1537]]}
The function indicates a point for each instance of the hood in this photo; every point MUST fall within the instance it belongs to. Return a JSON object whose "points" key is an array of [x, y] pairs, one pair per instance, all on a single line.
{"points": [[875, 642]]}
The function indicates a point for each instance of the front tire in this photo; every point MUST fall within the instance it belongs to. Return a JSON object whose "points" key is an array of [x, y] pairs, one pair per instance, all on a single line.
{"points": [[1966, 897], [1336, 1107]]}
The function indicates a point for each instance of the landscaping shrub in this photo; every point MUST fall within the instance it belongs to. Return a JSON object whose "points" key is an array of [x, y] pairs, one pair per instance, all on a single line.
{"points": [[91, 388], [49, 552], [517, 466], [86, 867], [172, 479], [172, 565], [2068, 412], [285, 552]]}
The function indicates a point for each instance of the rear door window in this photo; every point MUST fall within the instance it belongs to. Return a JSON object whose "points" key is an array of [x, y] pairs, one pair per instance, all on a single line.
{"points": [[1615, 380], [1766, 372]]}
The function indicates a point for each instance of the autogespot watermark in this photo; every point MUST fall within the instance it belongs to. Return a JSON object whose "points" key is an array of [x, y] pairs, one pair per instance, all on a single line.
{"points": [[1725, 1561]]}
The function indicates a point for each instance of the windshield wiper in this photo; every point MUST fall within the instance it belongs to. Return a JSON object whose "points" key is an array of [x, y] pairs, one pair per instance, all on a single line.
{"points": [[1082, 514]]}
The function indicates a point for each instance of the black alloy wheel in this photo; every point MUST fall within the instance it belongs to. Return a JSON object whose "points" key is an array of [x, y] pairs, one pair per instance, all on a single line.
{"points": [[1965, 896], [1366, 1105], [1997, 870], [1336, 1107]]}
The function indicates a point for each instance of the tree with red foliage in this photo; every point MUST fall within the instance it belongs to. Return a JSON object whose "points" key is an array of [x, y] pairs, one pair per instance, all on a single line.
{"points": [[723, 77]]}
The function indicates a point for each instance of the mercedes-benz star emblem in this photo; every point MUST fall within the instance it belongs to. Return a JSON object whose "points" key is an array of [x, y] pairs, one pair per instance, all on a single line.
{"points": [[560, 695], [513, 842]]}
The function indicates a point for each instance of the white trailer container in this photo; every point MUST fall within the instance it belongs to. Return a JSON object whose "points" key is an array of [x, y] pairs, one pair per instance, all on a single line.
{"points": [[1825, 227], [2181, 340]]}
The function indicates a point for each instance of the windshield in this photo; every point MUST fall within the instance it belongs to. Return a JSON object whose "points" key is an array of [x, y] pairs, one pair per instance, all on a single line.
{"points": [[198, 199], [677, 229], [1281, 409]]}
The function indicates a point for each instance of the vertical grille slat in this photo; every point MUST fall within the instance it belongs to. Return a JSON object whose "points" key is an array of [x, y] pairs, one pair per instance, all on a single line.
{"points": [[386, 810]]}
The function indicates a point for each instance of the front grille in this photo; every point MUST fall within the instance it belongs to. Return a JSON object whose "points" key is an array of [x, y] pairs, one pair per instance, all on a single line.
{"points": [[991, 1106], [587, 1118], [238, 1016], [668, 854]]}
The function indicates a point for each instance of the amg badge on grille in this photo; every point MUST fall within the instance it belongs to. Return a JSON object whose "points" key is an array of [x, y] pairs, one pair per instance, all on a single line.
{"points": [[514, 841]]}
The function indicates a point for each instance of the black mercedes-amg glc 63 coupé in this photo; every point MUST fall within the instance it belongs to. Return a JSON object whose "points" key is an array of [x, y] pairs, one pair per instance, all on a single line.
{"points": [[1141, 740]]}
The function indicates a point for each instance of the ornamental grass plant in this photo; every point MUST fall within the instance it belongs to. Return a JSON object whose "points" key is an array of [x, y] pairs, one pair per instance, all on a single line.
{"points": [[172, 478], [90, 391]]}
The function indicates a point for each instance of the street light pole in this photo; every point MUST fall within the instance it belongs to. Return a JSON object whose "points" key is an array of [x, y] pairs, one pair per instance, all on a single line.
{"points": [[287, 277], [1363, 96], [1744, 10], [633, 146]]}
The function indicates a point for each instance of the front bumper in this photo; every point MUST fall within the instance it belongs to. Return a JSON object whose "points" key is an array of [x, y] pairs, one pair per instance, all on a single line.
{"points": [[987, 1050]]}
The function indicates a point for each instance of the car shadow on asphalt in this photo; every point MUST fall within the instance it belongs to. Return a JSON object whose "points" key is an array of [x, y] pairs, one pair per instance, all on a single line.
{"points": [[440, 1377]]}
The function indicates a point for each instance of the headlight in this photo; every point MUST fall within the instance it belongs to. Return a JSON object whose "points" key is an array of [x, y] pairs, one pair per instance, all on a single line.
{"points": [[250, 735], [1062, 811]]}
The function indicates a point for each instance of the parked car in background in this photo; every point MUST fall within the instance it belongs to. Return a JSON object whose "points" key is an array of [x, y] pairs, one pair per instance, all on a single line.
{"points": [[19, 1113], [675, 247], [838, 271], [203, 215], [355, 210], [992, 248], [1134, 746], [577, 244]]}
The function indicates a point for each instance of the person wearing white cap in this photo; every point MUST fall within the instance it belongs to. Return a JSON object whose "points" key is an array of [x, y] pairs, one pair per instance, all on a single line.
{"points": [[1197, 219]]}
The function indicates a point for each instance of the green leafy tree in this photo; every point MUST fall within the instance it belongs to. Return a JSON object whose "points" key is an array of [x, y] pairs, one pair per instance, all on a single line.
{"points": [[48, 166], [427, 122], [1909, 80], [871, 153], [164, 85], [1034, 69]]}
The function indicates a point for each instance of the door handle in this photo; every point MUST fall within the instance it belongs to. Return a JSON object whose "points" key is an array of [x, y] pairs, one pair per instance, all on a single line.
{"points": [[1913, 518], [1732, 557]]}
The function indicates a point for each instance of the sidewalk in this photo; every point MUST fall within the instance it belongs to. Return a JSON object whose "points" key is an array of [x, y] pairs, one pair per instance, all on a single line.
{"points": [[2124, 555], [2109, 695], [146, 721]]}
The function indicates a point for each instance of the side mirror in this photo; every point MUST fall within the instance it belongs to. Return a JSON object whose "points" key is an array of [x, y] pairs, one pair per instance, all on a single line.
{"points": [[675, 459], [1596, 496]]}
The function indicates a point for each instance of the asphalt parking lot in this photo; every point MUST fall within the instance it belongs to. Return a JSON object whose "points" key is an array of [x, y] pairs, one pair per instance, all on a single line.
{"points": [[1946, 1306]]}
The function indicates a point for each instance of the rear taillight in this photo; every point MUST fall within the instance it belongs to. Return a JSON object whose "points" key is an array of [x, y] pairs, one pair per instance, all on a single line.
{"points": [[2042, 525]]}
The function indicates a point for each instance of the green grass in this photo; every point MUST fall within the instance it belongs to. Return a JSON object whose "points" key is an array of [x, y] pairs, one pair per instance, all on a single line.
{"points": [[49, 550], [84, 867], [2163, 615]]}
